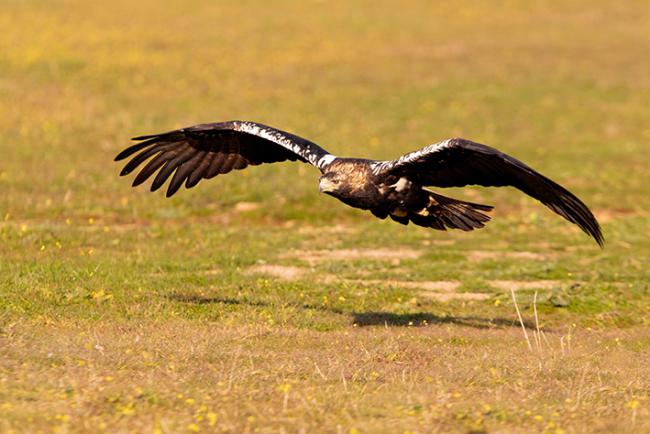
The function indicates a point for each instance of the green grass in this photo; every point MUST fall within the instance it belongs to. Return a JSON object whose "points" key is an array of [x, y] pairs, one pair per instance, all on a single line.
{"points": [[124, 311]]}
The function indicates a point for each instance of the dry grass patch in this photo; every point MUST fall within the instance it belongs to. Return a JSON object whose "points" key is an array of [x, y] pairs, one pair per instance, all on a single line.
{"points": [[180, 376]]}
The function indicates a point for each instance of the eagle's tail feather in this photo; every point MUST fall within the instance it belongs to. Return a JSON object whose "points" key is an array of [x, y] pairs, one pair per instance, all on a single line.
{"points": [[444, 212]]}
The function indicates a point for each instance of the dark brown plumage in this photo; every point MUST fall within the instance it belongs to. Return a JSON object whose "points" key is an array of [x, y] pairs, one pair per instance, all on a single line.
{"points": [[394, 189]]}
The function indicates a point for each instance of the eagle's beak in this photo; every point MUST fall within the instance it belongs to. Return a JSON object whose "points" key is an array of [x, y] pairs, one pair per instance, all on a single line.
{"points": [[326, 186]]}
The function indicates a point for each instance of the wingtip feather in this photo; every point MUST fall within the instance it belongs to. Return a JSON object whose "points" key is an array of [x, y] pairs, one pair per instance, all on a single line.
{"points": [[145, 137], [125, 153], [597, 234]]}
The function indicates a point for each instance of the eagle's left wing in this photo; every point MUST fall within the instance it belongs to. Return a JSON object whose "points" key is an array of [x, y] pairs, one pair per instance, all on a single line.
{"points": [[458, 162], [207, 150]]}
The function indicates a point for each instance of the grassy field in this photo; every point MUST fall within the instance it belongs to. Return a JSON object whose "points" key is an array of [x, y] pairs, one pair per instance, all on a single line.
{"points": [[252, 303]]}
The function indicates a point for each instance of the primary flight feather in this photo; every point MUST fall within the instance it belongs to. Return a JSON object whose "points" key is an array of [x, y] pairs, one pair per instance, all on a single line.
{"points": [[395, 189]]}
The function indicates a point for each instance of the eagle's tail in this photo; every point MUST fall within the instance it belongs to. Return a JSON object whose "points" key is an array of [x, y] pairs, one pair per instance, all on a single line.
{"points": [[444, 212]]}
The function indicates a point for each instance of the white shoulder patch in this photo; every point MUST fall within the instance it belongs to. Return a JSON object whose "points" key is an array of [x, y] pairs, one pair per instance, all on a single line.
{"points": [[271, 135], [325, 160], [411, 157], [286, 142], [401, 184]]}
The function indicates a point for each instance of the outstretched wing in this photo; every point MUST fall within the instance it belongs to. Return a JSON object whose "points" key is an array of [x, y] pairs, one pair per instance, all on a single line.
{"points": [[459, 162], [207, 150]]}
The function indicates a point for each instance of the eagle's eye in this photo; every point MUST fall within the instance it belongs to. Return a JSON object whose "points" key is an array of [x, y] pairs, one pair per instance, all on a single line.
{"points": [[333, 178], [329, 184]]}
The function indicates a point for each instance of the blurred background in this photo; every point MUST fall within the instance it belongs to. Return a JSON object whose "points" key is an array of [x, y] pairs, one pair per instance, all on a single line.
{"points": [[562, 85]]}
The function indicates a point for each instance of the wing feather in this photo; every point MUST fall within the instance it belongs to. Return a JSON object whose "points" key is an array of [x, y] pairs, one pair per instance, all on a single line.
{"points": [[141, 157], [228, 163], [459, 162], [207, 150], [156, 162], [170, 166], [200, 170], [134, 148], [215, 166], [183, 171]]}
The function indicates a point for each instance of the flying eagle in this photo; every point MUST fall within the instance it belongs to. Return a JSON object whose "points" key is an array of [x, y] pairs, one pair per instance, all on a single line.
{"points": [[395, 189]]}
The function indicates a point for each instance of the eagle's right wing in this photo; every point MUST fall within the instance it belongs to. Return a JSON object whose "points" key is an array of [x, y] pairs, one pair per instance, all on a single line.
{"points": [[207, 150]]}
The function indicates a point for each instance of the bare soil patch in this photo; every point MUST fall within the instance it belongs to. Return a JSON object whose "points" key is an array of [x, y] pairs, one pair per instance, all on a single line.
{"points": [[334, 229], [482, 255], [449, 296], [246, 206], [606, 215], [315, 256], [439, 290], [508, 285], [284, 272], [435, 285], [438, 242]]}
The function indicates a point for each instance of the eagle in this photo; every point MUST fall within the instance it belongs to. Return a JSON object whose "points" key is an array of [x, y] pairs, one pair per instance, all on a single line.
{"points": [[397, 188]]}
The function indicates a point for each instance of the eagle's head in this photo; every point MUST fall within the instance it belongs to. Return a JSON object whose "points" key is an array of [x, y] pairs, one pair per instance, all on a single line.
{"points": [[331, 183]]}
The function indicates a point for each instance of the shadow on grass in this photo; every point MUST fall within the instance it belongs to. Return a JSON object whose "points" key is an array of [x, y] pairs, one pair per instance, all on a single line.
{"points": [[363, 319], [366, 319]]}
